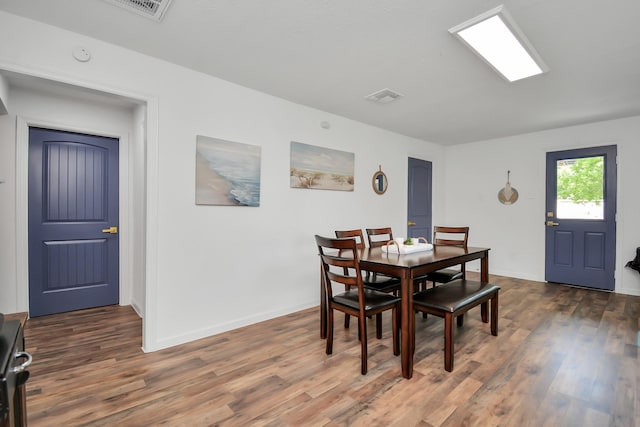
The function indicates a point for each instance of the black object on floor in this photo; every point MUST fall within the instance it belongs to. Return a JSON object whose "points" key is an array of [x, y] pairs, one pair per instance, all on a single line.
{"points": [[635, 264]]}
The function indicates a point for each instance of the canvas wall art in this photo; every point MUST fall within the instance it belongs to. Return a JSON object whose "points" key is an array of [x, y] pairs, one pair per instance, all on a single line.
{"points": [[227, 173], [321, 168]]}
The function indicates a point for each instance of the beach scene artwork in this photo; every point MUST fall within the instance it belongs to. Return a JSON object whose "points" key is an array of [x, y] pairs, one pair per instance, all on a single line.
{"points": [[321, 168], [227, 173]]}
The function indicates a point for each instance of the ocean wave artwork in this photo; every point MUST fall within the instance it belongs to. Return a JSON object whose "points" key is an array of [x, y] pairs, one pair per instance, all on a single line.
{"points": [[227, 172]]}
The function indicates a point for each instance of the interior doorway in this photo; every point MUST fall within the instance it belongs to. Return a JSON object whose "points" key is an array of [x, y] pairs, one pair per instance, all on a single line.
{"points": [[419, 207]]}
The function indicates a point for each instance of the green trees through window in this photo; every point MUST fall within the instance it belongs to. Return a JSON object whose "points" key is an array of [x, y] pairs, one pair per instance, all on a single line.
{"points": [[580, 188]]}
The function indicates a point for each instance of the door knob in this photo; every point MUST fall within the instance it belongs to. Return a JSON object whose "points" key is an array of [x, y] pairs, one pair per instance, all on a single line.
{"points": [[411, 223], [111, 230], [552, 224]]}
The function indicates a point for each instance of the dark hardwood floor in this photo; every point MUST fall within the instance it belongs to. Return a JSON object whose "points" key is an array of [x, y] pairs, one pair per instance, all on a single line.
{"points": [[563, 357]]}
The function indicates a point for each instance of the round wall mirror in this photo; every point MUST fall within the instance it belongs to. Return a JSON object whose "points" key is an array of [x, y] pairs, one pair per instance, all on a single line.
{"points": [[379, 181]]}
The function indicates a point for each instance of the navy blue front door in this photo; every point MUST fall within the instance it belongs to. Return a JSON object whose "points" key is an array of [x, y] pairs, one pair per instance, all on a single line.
{"points": [[419, 199], [580, 230], [73, 219]]}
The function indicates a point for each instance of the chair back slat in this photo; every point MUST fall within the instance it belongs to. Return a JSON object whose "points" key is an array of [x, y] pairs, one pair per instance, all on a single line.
{"points": [[378, 237], [451, 236], [354, 234]]}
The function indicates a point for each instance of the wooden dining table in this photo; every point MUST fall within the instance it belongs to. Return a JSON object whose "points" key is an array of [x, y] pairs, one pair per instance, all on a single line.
{"points": [[407, 267]]}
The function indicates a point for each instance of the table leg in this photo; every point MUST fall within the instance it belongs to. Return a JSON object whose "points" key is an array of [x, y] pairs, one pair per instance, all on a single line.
{"points": [[484, 268], [408, 326], [323, 305]]}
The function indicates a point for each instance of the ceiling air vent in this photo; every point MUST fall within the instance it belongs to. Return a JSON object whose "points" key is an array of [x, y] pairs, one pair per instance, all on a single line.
{"points": [[152, 9], [383, 96]]}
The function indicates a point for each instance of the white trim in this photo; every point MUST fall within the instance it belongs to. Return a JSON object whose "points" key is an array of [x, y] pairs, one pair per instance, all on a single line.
{"points": [[149, 321], [22, 223], [229, 326]]}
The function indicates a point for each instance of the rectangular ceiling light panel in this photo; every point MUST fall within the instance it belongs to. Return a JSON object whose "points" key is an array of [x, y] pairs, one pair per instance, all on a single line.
{"points": [[496, 38]]}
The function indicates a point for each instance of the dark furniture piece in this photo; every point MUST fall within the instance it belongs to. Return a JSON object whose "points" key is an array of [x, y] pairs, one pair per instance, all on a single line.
{"points": [[375, 281], [409, 266], [454, 299], [379, 237], [378, 282], [13, 374], [449, 236], [340, 265]]}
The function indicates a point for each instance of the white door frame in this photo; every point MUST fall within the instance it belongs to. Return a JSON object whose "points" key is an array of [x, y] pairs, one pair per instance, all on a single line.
{"points": [[149, 320]]}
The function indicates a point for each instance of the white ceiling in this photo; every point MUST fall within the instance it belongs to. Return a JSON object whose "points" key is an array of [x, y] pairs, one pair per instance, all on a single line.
{"points": [[330, 54]]}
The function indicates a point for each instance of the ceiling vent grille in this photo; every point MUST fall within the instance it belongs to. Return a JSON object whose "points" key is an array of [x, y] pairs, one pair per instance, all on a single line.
{"points": [[152, 9], [383, 96]]}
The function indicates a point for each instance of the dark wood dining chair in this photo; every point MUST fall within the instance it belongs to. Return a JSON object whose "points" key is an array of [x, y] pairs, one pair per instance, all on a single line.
{"points": [[340, 265], [449, 236], [378, 282], [375, 281], [379, 237]]}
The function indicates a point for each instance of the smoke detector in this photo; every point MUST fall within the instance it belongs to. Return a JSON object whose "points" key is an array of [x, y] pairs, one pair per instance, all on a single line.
{"points": [[384, 96], [152, 9]]}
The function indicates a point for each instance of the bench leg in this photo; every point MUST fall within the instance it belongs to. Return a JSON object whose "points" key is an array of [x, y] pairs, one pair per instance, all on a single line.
{"points": [[483, 312], [448, 342], [494, 315]]}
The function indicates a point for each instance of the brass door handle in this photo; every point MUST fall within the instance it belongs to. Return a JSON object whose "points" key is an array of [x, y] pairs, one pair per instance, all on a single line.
{"points": [[411, 223], [552, 224], [111, 230]]}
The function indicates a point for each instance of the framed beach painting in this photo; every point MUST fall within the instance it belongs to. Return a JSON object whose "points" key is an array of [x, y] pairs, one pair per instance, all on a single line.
{"points": [[321, 168], [227, 173]]}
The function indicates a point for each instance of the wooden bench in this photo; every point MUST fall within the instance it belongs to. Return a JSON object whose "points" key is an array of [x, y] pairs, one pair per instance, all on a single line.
{"points": [[454, 299]]}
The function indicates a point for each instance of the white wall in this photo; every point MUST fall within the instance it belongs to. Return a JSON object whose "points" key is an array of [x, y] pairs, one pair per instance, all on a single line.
{"points": [[211, 268], [515, 233]]}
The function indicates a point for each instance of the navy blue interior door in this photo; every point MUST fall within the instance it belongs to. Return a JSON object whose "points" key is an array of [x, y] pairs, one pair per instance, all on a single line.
{"points": [[419, 199], [580, 220], [73, 220]]}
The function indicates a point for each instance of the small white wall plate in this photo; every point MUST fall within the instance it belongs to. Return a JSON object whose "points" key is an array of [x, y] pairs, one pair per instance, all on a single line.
{"points": [[81, 54]]}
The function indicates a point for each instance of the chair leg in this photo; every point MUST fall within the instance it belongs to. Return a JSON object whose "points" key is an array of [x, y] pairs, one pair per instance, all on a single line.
{"points": [[395, 327], [494, 315], [448, 342], [460, 320], [379, 325], [329, 348], [363, 346], [346, 321]]}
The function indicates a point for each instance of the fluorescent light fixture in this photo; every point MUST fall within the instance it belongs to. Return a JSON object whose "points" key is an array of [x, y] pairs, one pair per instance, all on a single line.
{"points": [[496, 38]]}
